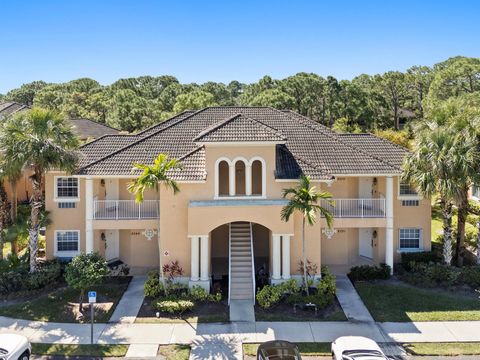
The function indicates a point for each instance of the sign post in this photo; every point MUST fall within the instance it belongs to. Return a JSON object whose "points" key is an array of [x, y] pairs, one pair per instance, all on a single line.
{"points": [[92, 299]]}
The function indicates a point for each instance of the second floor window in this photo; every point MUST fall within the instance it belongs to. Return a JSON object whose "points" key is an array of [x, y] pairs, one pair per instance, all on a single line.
{"points": [[240, 177], [67, 187], [405, 189]]}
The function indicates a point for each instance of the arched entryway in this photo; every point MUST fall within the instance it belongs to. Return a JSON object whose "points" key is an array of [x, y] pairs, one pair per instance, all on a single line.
{"points": [[231, 255]]}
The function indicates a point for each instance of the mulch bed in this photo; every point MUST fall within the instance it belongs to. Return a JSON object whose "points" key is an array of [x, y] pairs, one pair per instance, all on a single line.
{"points": [[285, 312], [204, 312]]}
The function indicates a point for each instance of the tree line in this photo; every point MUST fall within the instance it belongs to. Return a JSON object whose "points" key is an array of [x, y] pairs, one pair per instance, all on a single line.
{"points": [[365, 103]]}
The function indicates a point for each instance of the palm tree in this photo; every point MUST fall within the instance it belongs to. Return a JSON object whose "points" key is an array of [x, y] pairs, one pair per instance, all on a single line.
{"points": [[12, 170], [445, 162], [429, 169], [150, 178], [39, 140], [304, 198], [4, 216]]}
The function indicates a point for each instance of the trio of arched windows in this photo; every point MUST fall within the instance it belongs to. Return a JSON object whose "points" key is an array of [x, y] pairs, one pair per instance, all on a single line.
{"points": [[240, 177]]}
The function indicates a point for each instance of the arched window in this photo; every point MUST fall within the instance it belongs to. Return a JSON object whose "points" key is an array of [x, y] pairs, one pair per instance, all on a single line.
{"points": [[223, 178], [240, 185], [257, 175]]}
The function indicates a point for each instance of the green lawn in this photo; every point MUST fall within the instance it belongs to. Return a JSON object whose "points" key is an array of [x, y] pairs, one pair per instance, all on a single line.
{"points": [[174, 352], [80, 350], [306, 349], [61, 305], [403, 304], [443, 349]]}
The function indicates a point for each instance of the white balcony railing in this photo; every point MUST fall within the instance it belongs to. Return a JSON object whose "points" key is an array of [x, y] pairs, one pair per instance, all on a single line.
{"points": [[356, 208], [125, 209]]}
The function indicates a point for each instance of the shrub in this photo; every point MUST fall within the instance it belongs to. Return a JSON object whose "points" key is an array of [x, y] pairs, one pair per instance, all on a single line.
{"points": [[197, 293], [431, 275], [369, 272], [289, 287], [173, 306], [153, 288], [84, 271], [424, 257], [470, 275], [14, 275], [47, 273], [327, 286], [269, 296]]}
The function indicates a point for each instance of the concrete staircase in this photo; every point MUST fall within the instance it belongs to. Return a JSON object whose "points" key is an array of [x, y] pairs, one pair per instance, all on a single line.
{"points": [[241, 268]]}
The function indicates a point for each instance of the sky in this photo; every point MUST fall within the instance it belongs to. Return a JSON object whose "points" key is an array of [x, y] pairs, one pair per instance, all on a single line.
{"points": [[198, 41]]}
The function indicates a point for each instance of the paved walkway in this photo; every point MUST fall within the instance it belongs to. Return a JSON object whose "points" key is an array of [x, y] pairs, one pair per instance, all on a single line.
{"points": [[184, 333], [242, 311], [130, 303], [351, 303]]}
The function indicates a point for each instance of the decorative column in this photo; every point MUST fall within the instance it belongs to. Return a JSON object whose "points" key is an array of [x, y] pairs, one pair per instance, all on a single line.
{"points": [[89, 215], [204, 258], [389, 229], [231, 180], [194, 258], [286, 257], [276, 257], [248, 179]]}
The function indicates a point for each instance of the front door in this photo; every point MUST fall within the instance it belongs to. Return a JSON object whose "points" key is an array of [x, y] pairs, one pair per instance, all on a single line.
{"points": [[112, 249], [365, 242], [365, 187]]}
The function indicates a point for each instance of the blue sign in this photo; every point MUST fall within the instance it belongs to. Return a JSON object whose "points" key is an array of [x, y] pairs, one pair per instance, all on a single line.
{"points": [[92, 296]]}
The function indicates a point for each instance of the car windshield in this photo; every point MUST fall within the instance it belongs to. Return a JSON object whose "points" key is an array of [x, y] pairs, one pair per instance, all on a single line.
{"points": [[362, 355], [279, 354]]}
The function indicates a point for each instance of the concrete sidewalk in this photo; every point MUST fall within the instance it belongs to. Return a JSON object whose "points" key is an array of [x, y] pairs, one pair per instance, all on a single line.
{"points": [[184, 333], [131, 301], [351, 303]]}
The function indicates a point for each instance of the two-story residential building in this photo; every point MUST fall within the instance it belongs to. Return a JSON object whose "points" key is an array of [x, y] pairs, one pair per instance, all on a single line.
{"points": [[225, 223]]}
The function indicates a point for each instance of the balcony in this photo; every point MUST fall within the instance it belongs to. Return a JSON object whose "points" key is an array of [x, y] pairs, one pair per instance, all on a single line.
{"points": [[355, 208], [125, 210]]}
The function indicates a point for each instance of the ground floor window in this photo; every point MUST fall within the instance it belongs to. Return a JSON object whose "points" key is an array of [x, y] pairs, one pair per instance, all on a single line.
{"points": [[67, 242], [409, 238]]}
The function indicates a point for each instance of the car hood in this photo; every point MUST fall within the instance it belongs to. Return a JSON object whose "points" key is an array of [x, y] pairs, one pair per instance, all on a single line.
{"points": [[11, 342]]}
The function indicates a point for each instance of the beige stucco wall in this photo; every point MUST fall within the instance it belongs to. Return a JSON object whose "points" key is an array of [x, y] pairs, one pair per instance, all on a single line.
{"points": [[178, 220]]}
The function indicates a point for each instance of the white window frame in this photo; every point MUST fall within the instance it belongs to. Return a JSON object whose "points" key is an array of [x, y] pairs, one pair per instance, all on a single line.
{"points": [[248, 164], [65, 199], [65, 253], [420, 240], [406, 197], [475, 197]]}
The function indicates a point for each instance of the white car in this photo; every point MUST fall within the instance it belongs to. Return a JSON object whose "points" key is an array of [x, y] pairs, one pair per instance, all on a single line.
{"points": [[14, 347], [356, 348]]}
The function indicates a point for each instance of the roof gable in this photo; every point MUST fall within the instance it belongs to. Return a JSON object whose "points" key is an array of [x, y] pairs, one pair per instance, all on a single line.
{"points": [[240, 128], [306, 147]]}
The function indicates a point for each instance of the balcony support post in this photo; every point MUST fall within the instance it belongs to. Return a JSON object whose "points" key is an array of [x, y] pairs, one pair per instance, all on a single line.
{"points": [[194, 257], [276, 256], [286, 257], [89, 215], [389, 229], [204, 257]]}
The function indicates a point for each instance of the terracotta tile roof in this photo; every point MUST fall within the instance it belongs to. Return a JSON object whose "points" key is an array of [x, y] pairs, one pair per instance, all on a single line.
{"points": [[11, 107], [239, 128], [86, 128], [378, 147], [309, 148]]}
